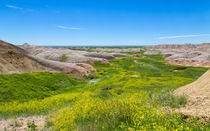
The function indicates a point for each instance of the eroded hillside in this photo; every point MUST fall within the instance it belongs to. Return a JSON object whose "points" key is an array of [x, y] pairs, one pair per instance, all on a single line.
{"points": [[198, 94], [14, 60], [186, 54]]}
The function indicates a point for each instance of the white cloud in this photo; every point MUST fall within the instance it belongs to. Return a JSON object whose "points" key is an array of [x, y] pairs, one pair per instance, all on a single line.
{"points": [[183, 36], [68, 28], [14, 7], [20, 8]]}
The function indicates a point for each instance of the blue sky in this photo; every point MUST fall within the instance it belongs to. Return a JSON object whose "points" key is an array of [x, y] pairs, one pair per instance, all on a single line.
{"points": [[104, 22]]}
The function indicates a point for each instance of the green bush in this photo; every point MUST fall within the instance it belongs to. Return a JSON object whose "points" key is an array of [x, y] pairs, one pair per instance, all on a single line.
{"points": [[64, 58], [166, 98]]}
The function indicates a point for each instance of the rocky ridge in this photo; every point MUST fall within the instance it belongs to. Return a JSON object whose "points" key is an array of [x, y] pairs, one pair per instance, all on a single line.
{"points": [[186, 54]]}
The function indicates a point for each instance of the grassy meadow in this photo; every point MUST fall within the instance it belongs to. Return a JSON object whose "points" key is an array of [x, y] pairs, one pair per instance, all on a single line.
{"points": [[130, 94]]}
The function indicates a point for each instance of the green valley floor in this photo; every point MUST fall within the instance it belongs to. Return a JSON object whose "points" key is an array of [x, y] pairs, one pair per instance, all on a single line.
{"points": [[130, 94]]}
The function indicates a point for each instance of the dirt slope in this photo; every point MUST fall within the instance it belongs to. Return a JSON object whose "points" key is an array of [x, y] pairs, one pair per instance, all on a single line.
{"points": [[199, 97], [14, 60]]}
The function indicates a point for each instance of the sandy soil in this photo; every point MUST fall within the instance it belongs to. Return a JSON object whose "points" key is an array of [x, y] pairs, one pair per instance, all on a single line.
{"points": [[22, 125], [198, 94]]}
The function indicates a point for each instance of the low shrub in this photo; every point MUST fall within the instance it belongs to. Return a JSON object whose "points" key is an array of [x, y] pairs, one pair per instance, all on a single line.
{"points": [[166, 98], [64, 58]]}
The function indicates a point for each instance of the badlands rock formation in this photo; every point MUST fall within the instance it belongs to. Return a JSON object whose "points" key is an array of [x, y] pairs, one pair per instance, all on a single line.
{"points": [[73, 62], [78, 55], [111, 49], [71, 56], [57, 54], [14, 60], [30, 58], [199, 97], [186, 54]]}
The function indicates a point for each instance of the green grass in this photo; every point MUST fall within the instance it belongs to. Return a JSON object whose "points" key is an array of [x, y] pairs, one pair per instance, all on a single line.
{"points": [[24, 87], [112, 99], [64, 58]]}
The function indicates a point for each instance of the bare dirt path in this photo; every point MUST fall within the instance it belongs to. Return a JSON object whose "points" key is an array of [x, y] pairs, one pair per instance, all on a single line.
{"points": [[22, 123]]}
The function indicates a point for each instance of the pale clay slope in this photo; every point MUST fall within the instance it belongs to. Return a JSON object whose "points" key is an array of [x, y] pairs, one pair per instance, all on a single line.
{"points": [[73, 56], [186, 54], [198, 94]]}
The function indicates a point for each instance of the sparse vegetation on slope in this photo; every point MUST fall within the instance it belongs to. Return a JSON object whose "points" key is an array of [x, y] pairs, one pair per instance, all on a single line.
{"points": [[64, 58]]}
